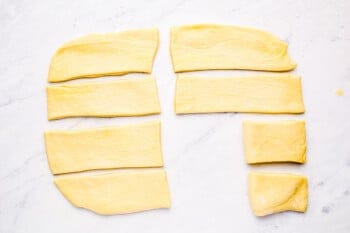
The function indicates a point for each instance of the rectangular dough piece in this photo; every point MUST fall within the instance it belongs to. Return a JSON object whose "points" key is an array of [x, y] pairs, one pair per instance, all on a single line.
{"points": [[261, 94], [274, 192], [98, 55], [137, 145], [212, 47], [117, 193], [274, 141], [125, 97]]}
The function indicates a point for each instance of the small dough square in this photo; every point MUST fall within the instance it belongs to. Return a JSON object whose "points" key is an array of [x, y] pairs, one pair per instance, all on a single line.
{"points": [[274, 141], [274, 192]]}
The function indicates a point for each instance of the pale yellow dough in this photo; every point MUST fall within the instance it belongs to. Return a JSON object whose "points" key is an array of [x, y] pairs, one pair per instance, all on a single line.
{"points": [[117, 193], [137, 145], [339, 92], [125, 97], [274, 141], [272, 193], [211, 47], [261, 94], [105, 54]]}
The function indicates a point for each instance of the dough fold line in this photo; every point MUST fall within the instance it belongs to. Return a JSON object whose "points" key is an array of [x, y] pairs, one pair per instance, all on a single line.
{"points": [[276, 192]]}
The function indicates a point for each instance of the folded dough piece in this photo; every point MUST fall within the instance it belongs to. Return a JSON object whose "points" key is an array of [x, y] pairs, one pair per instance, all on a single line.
{"points": [[137, 145], [261, 94], [105, 54], [125, 97], [211, 47], [272, 193], [274, 141], [117, 193]]}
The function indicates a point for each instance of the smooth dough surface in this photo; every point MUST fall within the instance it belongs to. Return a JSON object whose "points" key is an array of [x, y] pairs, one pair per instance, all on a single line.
{"points": [[272, 193], [137, 145], [105, 54], [211, 47], [274, 141], [261, 94], [125, 97], [117, 193]]}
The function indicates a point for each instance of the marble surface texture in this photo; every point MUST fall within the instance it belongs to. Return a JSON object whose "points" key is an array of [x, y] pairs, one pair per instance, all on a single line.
{"points": [[203, 153]]}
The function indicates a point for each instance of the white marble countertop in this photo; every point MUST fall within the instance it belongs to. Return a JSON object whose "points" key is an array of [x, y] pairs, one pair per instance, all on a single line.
{"points": [[203, 153]]}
